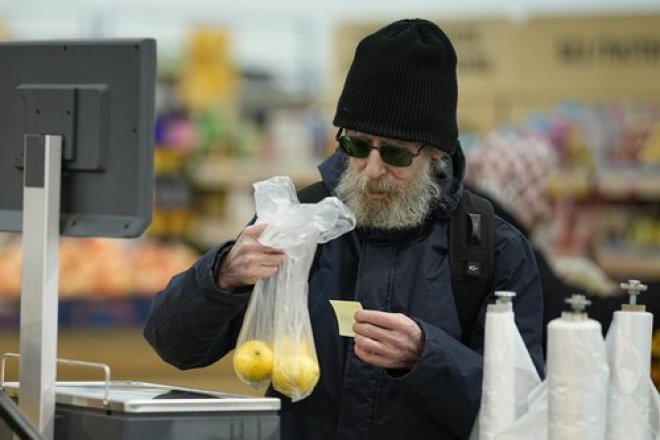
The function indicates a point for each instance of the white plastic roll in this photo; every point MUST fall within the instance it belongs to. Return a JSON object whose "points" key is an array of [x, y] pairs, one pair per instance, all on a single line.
{"points": [[509, 373], [534, 423], [631, 393], [578, 377]]}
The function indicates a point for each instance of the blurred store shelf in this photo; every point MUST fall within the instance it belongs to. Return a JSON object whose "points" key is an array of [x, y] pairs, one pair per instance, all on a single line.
{"points": [[635, 183], [631, 183], [576, 182], [621, 262], [217, 172]]}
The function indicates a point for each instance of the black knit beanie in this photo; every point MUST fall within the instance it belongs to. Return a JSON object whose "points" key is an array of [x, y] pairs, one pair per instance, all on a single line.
{"points": [[402, 85]]}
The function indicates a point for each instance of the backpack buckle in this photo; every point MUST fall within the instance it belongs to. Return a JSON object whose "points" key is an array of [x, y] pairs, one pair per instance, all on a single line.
{"points": [[473, 269], [474, 228]]}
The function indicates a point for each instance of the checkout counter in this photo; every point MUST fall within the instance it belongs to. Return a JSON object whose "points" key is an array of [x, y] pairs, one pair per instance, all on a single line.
{"points": [[145, 411], [127, 410]]}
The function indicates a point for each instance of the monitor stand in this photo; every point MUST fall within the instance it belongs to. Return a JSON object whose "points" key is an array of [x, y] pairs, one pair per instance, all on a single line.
{"points": [[40, 278]]}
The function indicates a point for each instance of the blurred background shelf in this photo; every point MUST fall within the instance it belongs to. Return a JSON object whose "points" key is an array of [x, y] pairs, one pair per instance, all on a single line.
{"points": [[622, 263], [218, 173], [630, 185]]}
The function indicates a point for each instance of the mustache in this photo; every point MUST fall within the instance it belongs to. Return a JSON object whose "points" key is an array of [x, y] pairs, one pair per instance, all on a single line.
{"points": [[378, 185]]}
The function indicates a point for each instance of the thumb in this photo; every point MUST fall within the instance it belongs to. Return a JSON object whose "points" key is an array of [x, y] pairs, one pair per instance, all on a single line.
{"points": [[255, 230]]}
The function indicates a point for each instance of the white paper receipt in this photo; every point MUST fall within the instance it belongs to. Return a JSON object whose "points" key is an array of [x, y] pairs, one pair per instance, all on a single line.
{"points": [[345, 311]]}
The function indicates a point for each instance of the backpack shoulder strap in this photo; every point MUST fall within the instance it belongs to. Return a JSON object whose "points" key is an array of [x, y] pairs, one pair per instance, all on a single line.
{"points": [[471, 255]]}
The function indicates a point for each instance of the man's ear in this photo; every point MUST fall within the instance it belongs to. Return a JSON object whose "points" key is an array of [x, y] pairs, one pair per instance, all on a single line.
{"points": [[437, 154]]}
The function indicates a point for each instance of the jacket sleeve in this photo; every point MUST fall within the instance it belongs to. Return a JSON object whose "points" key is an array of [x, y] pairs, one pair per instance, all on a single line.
{"points": [[192, 323], [447, 379]]}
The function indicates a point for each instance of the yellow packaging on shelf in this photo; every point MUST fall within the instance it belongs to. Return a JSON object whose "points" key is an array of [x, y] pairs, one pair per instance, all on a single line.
{"points": [[208, 77]]}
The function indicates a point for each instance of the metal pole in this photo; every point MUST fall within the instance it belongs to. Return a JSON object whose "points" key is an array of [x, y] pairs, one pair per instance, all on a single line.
{"points": [[40, 277]]}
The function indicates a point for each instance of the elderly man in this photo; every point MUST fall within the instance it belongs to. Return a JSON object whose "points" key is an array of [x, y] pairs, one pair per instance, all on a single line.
{"points": [[410, 371]]}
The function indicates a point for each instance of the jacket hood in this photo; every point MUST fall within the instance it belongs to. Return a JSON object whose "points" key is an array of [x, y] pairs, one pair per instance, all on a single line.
{"points": [[451, 179]]}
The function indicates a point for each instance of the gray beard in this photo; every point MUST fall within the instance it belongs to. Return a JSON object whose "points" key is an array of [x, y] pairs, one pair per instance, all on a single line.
{"points": [[406, 206]]}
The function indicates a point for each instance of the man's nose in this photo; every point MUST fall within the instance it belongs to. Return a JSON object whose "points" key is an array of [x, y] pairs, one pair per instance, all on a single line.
{"points": [[375, 166]]}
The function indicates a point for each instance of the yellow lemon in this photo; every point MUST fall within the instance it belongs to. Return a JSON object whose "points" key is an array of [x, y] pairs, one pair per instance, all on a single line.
{"points": [[253, 362], [295, 376], [291, 347]]}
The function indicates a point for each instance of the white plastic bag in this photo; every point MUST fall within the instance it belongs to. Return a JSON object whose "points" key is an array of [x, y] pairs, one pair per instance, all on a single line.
{"points": [[253, 358], [277, 314]]}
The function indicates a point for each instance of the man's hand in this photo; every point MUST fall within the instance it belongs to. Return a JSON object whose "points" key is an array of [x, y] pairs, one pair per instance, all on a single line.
{"points": [[387, 340], [248, 261]]}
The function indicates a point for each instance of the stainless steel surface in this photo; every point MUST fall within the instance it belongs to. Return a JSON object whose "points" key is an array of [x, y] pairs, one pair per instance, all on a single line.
{"points": [[144, 397], [69, 362], [38, 334]]}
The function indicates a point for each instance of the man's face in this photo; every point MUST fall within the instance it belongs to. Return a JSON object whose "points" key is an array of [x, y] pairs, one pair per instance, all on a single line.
{"points": [[383, 196]]}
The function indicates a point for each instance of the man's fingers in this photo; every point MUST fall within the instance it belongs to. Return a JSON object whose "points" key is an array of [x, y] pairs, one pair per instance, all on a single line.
{"points": [[387, 320], [376, 317], [370, 352], [254, 230], [257, 273], [364, 353], [263, 259], [394, 337], [369, 345], [372, 331], [249, 261], [251, 268], [249, 239]]}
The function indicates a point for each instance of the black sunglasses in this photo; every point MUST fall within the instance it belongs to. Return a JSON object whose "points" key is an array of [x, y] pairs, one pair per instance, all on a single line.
{"points": [[390, 154]]}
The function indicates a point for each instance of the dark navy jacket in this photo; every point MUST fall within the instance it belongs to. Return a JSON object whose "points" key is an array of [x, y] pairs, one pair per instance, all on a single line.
{"points": [[193, 324]]}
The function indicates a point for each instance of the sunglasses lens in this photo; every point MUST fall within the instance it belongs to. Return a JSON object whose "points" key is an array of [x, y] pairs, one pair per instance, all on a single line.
{"points": [[397, 156], [354, 147]]}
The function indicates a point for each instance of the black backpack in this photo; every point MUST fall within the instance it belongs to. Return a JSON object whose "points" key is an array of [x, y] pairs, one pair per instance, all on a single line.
{"points": [[471, 250]]}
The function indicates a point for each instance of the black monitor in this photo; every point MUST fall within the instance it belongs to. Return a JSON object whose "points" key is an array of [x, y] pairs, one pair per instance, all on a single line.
{"points": [[99, 96]]}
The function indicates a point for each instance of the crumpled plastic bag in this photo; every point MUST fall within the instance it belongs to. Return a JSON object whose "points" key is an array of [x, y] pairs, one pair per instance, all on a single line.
{"points": [[276, 343]]}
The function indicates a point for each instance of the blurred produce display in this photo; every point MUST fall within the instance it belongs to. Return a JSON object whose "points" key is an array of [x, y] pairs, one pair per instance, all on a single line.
{"points": [[102, 268], [101, 281]]}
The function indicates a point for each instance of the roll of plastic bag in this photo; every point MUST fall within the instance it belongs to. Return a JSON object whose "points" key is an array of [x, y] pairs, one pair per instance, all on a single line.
{"points": [[509, 373], [534, 423], [654, 414], [578, 379], [633, 398]]}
